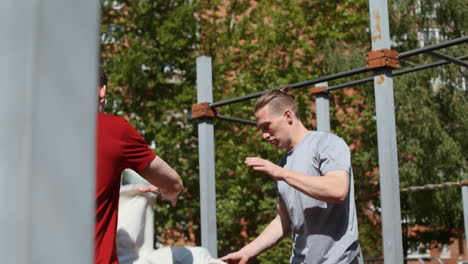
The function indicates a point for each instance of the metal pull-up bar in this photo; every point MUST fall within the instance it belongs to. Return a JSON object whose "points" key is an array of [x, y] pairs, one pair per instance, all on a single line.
{"points": [[293, 86], [348, 73], [395, 73], [442, 45], [388, 58], [196, 112], [449, 58]]}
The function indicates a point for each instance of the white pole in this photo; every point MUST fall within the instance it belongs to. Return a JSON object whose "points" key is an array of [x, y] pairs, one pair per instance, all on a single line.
{"points": [[464, 190], [323, 109], [206, 159], [48, 103], [386, 135]]}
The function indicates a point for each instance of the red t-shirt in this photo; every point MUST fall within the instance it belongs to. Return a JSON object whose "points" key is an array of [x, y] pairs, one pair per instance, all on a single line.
{"points": [[119, 146]]}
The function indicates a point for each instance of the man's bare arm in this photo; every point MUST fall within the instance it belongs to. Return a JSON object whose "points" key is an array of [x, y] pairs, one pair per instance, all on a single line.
{"points": [[161, 175], [271, 235], [331, 187]]}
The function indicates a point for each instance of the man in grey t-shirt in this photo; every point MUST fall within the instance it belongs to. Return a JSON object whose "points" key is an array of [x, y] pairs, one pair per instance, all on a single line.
{"points": [[315, 189]]}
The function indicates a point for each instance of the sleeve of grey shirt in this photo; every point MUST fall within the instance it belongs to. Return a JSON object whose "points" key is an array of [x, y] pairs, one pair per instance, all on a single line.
{"points": [[333, 154]]}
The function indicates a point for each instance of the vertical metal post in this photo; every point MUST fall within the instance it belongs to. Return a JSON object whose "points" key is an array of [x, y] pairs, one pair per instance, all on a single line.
{"points": [[464, 190], [386, 134], [206, 159], [323, 109], [48, 104]]}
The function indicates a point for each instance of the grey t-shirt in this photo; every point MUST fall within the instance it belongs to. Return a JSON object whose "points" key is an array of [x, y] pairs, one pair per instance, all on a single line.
{"points": [[322, 232]]}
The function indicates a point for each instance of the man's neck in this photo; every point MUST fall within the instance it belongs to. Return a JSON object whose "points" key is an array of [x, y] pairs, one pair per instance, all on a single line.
{"points": [[297, 135]]}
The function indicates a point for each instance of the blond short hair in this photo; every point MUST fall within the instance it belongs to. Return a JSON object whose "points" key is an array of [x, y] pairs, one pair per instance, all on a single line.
{"points": [[279, 100]]}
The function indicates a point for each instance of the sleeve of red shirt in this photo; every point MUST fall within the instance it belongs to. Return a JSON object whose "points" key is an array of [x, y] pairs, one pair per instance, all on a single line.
{"points": [[136, 153]]}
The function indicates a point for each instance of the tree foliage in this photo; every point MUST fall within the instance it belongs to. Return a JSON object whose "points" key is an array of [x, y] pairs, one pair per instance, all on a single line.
{"points": [[431, 121]]}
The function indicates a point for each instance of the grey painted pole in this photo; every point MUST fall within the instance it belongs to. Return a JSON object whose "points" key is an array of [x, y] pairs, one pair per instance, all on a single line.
{"points": [[465, 212], [206, 159], [48, 85], [323, 109], [386, 134]]}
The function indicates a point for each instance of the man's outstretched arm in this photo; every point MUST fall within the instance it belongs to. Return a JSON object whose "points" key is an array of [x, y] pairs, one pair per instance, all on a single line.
{"points": [[271, 235], [164, 177], [331, 187]]}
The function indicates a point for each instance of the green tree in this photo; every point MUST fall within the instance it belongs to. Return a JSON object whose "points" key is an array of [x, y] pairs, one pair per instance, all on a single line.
{"points": [[431, 119]]}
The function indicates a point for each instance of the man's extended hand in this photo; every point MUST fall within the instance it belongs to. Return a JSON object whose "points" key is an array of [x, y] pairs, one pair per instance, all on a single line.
{"points": [[236, 258], [166, 196], [266, 166]]}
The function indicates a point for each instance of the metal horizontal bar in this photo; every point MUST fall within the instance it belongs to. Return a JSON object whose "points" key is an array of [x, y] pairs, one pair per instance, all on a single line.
{"points": [[411, 258], [396, 73], [329, 78], [293, 86], [238, 99], [423, 67], [238, 120], [342, 74], [353, 83], [433, 47], [344, 85], [449, 58]]}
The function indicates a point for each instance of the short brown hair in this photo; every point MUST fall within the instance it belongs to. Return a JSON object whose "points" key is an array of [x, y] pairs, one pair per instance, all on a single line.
{"points": [[102, 76], [279, 100]]}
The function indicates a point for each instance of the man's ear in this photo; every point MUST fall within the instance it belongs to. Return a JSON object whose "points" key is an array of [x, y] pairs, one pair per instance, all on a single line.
{"points": [[288, 115], [102, 93]]}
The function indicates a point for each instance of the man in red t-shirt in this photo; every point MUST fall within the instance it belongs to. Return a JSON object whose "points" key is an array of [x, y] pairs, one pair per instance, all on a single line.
{"points": [[120, 146]]}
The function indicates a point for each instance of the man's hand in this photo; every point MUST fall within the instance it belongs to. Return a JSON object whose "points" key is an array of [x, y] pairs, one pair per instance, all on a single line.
{"points": [[166, 196], [236, 258], [266, 166], [150, 188], [167, 180]]}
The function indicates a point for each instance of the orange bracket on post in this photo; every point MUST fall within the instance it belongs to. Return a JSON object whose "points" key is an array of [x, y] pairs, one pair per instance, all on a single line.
{"points": [[382, 58], [202, 110], [318, 90]]}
